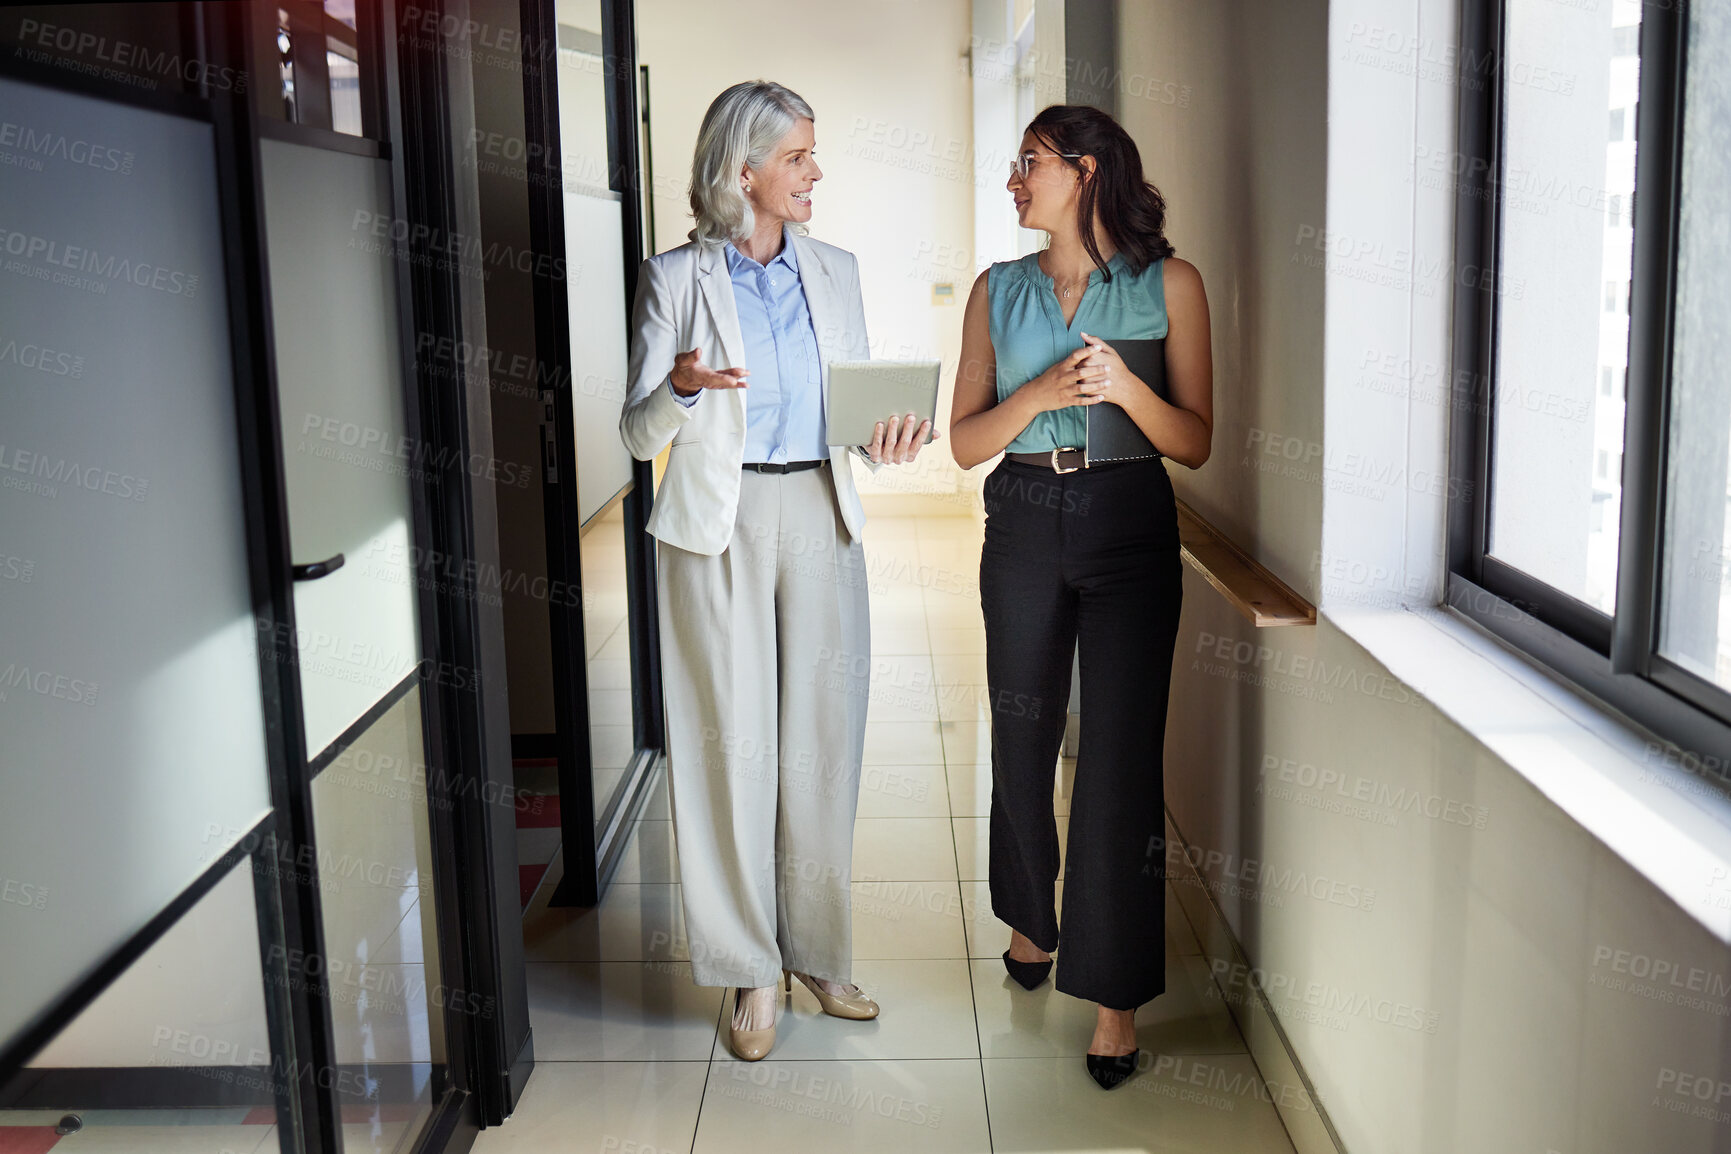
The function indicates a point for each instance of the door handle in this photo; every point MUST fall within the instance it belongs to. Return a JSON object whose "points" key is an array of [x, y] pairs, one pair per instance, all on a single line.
{"points": [[317, 569]]}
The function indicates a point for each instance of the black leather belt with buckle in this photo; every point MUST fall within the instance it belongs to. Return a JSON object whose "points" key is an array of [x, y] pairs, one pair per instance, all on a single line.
{"points": [[790, 467], [1058, 460]]}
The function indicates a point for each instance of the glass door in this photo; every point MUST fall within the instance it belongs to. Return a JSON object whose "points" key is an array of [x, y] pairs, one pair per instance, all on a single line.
{"points": [[348, 464], [586, 212], [138, 916], [595, 309], [232, 822], [334, 250]]}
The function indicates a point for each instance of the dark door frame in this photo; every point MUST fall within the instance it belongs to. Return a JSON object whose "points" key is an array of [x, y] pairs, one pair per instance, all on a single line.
{"points": [[588, 857], [429, 106]]}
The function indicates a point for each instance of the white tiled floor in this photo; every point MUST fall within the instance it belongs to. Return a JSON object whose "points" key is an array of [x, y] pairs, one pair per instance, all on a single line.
{"points": [[631, 1056]]}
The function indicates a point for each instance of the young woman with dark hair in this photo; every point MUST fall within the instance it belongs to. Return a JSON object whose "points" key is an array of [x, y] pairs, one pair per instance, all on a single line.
{"points": [[1082, 553]]}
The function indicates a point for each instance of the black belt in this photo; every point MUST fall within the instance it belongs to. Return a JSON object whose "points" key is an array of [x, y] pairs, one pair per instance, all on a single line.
{"points": [[790, 467]]}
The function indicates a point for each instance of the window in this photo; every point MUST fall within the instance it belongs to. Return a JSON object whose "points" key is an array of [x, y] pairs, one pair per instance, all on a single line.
{"points": [[1694, 611], [1560, 76], [1027, 79], [1592, 439], [318, 64], [1616, 296], [1027, 64]]}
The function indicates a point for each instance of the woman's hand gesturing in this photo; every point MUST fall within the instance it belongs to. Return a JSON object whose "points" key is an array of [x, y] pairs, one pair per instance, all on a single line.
{"points": [[1075, 380], [690, 374]]}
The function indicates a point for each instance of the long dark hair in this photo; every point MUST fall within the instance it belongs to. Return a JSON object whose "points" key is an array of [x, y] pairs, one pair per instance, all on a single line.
{"points": [[1132, 211]]}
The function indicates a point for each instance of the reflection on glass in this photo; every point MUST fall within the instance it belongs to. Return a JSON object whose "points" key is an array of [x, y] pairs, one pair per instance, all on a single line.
{"points": [[317, 66], [1695, 615], [1567, 191], [147, 46], [132, 731], [345, 77], [594, 237], [189, 1016], [375, 858], [608, 641], [342, 58]]}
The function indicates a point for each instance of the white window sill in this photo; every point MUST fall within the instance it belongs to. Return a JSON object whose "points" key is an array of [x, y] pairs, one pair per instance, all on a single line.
{"points": [[1670, 825]]}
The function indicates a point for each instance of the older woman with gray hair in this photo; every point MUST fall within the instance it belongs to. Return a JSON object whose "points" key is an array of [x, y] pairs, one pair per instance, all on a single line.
{"points": [[760, 570]]}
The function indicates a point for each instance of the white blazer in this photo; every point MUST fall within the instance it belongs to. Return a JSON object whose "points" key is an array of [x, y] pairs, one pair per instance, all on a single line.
{"points": [[685, 301]]}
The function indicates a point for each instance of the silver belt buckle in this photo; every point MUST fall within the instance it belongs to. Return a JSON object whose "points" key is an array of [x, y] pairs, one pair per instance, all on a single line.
{"points": [[1072, 468]]}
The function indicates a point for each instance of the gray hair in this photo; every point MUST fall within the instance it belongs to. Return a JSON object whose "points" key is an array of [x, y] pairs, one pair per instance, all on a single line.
{"points": [[740, 130]]}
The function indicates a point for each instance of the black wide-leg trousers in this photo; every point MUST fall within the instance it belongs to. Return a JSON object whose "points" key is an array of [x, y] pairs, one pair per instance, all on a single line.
{"points": [[1082, 562]]}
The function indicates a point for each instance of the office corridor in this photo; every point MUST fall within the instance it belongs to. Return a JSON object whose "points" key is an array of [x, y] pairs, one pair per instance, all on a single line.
{"points": [[630, 1056]]}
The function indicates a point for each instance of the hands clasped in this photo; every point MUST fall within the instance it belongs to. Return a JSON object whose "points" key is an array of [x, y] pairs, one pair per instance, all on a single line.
{"points": [[1089, 375]]}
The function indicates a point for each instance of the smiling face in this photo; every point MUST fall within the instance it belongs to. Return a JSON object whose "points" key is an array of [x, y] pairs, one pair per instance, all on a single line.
{"points": [[781, 189], [1046, 197]]}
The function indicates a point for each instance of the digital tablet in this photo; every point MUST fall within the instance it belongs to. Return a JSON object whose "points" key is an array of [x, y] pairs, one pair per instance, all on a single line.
{"points": [[862, 393]]}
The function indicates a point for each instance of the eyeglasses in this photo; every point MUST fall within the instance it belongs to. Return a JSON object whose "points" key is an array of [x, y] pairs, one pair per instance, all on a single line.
{"points": [[1020, 165]]}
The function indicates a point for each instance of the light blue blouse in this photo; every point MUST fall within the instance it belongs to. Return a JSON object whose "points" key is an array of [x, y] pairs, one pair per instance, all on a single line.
{"points": [[1029, 335], [784, 402]]}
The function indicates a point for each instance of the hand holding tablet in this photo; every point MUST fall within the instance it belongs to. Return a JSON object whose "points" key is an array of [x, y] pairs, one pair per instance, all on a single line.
{"points": [[865, 396], [897, 440]]}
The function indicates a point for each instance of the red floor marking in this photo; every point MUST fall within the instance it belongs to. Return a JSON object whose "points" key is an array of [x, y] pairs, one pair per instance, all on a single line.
{"points": [[528, 877], [260, 1116], [27, 1139], [538, 811]]}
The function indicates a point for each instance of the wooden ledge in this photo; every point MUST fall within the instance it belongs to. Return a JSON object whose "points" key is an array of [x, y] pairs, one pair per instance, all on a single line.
{"points": [[1263, 598]]}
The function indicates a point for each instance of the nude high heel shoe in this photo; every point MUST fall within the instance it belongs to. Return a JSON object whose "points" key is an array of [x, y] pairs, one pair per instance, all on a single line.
{"points": [[855, 1006], [749, 1045]]}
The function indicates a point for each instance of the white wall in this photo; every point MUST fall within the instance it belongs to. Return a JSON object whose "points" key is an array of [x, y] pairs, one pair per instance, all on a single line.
{"points": [[889, 83], [1452, 957], [1225, 102]]}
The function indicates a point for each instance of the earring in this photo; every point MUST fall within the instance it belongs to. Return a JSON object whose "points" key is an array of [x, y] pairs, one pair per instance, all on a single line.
{"points": [[748, 188]]}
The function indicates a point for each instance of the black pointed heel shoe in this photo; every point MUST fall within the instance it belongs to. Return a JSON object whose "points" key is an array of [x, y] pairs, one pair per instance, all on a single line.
{"points": [[1027, 974], [1110, 1072]]}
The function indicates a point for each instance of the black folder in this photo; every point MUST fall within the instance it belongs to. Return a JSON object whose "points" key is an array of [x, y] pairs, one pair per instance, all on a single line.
{"points": [[1112, 435]]}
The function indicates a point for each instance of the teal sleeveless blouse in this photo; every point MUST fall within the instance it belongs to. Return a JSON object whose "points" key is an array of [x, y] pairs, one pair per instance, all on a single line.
{"points": [[1029, 335]]}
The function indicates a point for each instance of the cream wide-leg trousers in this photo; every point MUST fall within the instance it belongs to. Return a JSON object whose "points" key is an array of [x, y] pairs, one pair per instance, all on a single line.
{"points": [[765, 653]]}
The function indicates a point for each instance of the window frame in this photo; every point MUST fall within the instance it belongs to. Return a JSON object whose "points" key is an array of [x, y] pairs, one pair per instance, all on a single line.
{"points": [[1613, 658]]}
